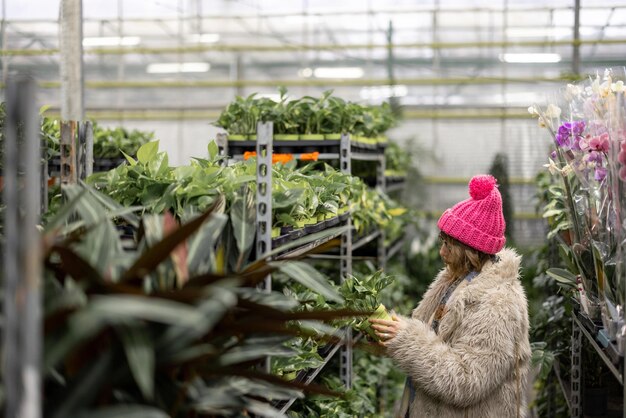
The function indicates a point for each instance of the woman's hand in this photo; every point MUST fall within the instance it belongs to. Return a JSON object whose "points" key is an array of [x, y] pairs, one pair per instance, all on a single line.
{"points": [[387, 330]]}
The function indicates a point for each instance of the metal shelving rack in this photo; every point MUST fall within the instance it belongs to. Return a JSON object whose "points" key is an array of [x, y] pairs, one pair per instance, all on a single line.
{"points": [[343, 150], [572, 390]]}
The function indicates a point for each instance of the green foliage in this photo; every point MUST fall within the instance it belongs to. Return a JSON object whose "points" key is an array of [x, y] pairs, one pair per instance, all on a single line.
{"points": [[306, 115], [397, 159], [153, 333], [301, 196]]}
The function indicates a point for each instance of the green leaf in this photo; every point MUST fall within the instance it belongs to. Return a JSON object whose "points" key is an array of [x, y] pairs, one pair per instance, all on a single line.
{"points": [[243, 218], [206, 315], [125, 411], [562, 276], [130, 159], [65, 211], [149, 260], [147, 152], [306, 275], [244, 354], [85, 388], [213, 150], [201, 250], [140, 356]]}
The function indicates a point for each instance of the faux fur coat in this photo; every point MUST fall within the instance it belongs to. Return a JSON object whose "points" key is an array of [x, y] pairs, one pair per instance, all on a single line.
{"points": [[478, 363]]}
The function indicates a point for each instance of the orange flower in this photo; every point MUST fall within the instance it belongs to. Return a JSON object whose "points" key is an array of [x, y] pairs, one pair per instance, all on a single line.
{"points": [[313, 156], [276, 158]]}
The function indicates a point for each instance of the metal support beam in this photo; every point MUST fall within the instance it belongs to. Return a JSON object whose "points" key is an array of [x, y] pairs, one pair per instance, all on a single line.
{"points": [[222, 147], [67, 148], [576, 41], [345, 251], [71, 48], [264, 193], [381, 185], [576, 371], [85, 149], [22, 264], [43, 172]]}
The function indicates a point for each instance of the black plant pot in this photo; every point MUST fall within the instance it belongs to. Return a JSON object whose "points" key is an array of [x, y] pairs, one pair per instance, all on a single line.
{"points": [[595, 401], [332, 222]]}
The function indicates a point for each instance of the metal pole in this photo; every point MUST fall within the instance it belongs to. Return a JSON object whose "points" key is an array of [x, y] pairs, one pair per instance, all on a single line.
{"points": [[345, 357], [393, 100], [576, 46], [85, 149], [264, 202], [381, 183], [67, 148], [264, 193], [71, 48], [576, 371], [22, 264], [5, 59]]}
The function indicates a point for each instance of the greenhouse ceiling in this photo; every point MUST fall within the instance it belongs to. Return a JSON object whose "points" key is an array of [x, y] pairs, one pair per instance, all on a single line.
{"points": [[425, 53]]}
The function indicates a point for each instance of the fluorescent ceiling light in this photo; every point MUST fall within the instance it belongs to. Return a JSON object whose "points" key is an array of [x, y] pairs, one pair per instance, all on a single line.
{"points": [[530, 58], [178, 67], [538, 32], [383, 92], [305, 72], [204, 38], [112, 41], [338, 72], [558, 32]]}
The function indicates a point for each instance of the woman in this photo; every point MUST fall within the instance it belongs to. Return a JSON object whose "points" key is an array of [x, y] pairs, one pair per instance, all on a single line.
{"points": [[465, 348]]}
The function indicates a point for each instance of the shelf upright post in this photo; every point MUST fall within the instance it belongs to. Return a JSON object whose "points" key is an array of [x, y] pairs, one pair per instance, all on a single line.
{"points": [[67, 147], [222, 147], [22, 329], [85, 150], [381, 185], [264, 193], [43, 174], [576, 370], [345, 165], [264, 202]]}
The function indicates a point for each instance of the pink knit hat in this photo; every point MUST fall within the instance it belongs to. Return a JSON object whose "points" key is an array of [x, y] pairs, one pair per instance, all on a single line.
{"points": [[478, 221]]}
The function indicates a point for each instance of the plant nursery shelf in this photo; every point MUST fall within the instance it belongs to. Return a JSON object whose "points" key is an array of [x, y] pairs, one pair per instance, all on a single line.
{"points": [[328, 149], [395, 248], [394, 185], [308, 376], [294, 252], [364, 240], [601, 352], [565, 385]]}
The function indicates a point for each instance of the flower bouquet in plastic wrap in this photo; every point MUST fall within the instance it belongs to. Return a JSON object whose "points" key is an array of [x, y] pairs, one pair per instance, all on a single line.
{"points": [[587, 122]]}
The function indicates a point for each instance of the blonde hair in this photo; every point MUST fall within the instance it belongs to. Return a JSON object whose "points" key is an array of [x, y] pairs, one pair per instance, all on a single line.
{"points": [[463, 259]]}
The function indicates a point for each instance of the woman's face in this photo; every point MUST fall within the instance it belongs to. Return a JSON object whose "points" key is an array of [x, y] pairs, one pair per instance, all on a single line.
{"points": [[444, 249]]}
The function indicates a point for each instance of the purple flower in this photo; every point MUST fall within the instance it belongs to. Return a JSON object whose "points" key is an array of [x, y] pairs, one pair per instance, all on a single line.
{"points": [[569, 134], [600, 173], [593, 157], [553, 155], [578, 127]]}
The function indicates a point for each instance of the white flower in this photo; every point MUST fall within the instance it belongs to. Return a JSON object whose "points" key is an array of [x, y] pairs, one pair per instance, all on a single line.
{"points": [[618, 87], [533, 110], [553, 111], [573, 91], [552, 167], [605, 89], [595, 86], [541, 123], [566, 170]]}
